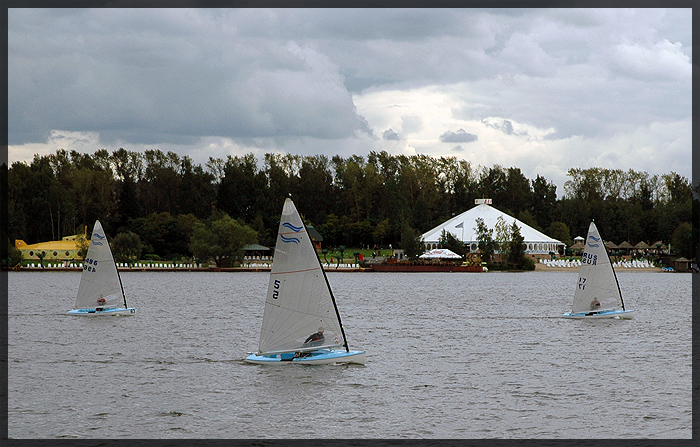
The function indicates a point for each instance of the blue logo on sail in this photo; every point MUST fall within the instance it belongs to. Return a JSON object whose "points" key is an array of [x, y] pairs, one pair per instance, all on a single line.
{"points": [[596, 239], [100, 237], [292, 227], [287, 239]]}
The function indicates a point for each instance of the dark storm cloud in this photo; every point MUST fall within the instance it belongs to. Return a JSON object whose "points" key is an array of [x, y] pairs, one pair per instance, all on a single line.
{"points": [[154, 72], [390, 134], [459, 136], [324, 80]]}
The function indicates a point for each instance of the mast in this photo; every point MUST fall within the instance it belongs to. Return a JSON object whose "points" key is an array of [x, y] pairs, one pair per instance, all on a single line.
{"points": [[115, 268], [619, 291], [335, 306], [605, 249]]}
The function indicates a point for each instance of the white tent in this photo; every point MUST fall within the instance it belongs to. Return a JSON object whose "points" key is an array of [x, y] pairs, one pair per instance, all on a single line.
{"points": [[440, 253], [463, 228]]}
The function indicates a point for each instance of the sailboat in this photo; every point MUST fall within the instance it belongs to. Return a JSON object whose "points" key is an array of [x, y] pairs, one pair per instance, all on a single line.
{"points": [[299, 303], [597, 291], [100, 291]]}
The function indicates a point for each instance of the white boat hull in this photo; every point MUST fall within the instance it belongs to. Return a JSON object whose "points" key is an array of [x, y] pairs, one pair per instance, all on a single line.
{"points": [[320, 357], [103, 312], [614, 314]]}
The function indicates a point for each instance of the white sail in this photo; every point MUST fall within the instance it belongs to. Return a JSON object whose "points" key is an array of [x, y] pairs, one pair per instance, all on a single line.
{"points": [[596, 281], [299, 300], [100, 280]]}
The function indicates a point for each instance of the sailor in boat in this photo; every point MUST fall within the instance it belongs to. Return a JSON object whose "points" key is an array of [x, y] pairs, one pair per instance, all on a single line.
{"points": [[595, 306], [100, 302], [315, 339]]}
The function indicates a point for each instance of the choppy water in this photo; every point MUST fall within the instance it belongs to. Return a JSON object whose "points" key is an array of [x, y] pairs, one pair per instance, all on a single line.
{"points": [[455, 355]]}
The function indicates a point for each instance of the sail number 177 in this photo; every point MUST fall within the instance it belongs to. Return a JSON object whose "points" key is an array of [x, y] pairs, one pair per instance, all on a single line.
{"points": [[581, 283]]}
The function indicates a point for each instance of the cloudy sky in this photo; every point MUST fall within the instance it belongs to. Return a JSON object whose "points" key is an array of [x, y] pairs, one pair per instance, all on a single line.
{"points": [[543, 90]]}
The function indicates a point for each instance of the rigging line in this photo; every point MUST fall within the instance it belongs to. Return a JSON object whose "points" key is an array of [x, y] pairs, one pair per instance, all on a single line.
{"points": [[115, 268], [605, 249], [616, 281]]}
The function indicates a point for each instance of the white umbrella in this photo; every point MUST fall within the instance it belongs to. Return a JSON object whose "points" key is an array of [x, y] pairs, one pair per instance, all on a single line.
{"points": [[440, 253]]}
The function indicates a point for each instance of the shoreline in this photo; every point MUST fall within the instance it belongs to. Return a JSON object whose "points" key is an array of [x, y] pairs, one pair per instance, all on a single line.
{"points": [[538, 268]]}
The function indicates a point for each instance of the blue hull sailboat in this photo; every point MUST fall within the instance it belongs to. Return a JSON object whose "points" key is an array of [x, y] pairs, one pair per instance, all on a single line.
{"points": [[597, 291], [300, 302], [100, 292]]}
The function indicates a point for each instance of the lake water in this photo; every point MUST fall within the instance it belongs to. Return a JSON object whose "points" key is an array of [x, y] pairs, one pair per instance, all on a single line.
{"points": [[454, 355]]}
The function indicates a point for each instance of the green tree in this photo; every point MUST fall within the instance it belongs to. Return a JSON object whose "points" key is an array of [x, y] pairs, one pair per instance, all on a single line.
{"points": [[518, 195], [161, 184], [127, 247], [449, 241], [197, 190], [502, 235], [516, 252], [128, 171], [162, 234], [493, 184], [92, 190], [484, 236], [682, 240], [82, 242], [239, 187], [221, 238], [14, 255], [411, 242], [316, 193], [560, 232], [527, 218], [381, 232], [544, 201], [331, 230]]}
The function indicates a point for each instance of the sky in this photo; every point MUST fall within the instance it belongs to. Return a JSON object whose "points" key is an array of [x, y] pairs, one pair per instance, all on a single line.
{"points": [[543, 90]]}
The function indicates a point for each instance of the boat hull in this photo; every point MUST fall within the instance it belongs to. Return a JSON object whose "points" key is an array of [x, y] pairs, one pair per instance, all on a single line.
{"points": [[616, 314], [320, 357], [103, 313]]}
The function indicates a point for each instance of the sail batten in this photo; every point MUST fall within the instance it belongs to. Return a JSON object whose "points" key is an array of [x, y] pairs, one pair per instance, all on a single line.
{"points": [[295, 271]]}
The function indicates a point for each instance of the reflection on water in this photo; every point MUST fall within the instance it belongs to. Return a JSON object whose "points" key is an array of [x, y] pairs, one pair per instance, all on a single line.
{"points": [[453, 355]]}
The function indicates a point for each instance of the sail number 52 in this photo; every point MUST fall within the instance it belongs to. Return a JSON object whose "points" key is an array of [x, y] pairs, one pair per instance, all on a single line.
{"points": [[276, 291]]}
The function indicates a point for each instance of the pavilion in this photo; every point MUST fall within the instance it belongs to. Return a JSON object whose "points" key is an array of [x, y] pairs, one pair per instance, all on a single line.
{"points": [[463, 228]]}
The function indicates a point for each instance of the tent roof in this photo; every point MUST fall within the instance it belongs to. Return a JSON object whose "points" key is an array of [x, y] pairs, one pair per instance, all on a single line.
{"points": [[641, 244], [315, 235], [625, 244], [490, 215]]}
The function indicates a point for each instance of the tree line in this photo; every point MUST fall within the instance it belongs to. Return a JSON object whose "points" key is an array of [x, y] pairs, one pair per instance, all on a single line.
{"points": [[357, 201]]}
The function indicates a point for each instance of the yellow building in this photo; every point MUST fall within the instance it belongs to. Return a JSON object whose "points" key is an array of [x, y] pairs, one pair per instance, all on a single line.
{"points": [[68, 248]]}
